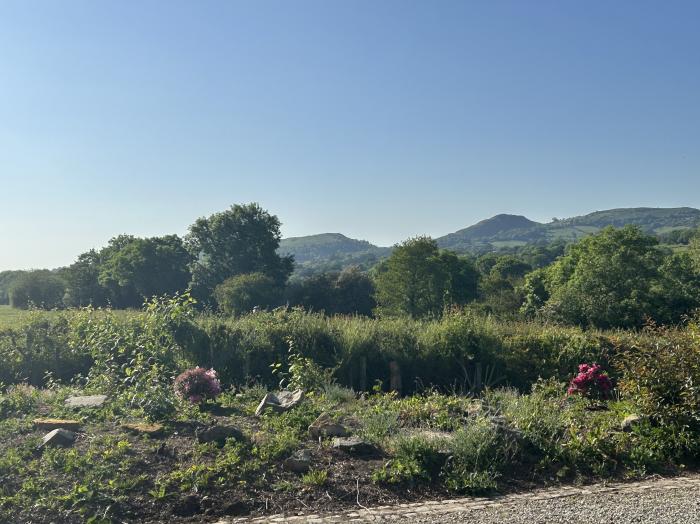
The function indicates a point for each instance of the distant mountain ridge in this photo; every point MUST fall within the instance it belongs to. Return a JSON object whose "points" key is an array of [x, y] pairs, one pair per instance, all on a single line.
{"points": [[336, 251]]}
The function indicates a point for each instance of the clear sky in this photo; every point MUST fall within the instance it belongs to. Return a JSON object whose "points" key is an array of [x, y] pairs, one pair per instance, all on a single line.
{"points": [[378, 119]]}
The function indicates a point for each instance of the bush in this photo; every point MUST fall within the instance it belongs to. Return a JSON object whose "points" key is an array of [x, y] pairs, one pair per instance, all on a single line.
{"points": [[480, 452], [661, 375], [197, 384], [591, 382]]}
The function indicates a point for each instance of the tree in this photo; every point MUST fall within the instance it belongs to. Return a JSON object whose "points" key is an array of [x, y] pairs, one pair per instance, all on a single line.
{"points": [[82, 281], [418, 280], [240, 294], [243, 239], [346, 293], [501, 287], [354, 293], [678, 291], [39, 288], [606, 280], [135, 269]]}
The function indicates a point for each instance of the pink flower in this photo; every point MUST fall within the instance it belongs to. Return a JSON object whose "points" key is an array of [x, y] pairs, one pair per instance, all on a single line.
{"points": [[590, 382], [197, 384]]}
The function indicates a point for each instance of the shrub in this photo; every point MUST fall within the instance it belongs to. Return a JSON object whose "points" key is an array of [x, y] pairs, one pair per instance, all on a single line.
{"points": [[415, 459], [480, 451], [591, 382], [661, 375], [197, 384]]}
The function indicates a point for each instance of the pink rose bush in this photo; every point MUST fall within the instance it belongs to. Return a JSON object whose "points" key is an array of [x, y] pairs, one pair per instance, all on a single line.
{"points": [[591, 382], [198, 384]]}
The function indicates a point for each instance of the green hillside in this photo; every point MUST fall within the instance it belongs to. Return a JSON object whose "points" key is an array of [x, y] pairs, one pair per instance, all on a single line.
{"points": [[512, 230], [334, 251]]}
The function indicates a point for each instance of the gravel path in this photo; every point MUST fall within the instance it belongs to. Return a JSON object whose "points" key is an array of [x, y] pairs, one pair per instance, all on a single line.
{"points": [[675, 500]]}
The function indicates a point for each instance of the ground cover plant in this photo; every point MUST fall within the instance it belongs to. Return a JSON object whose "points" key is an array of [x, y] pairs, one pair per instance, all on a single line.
{"points": [[150, 452]]}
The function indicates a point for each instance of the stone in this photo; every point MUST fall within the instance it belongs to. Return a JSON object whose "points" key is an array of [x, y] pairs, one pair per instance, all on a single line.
{"points": [[219, 434], [354, 446], [188, 506], [58, 438], [56, 423], [151, 430], [90, 401], [630, 422], [324, 426], [280, 402], [299, 462]]}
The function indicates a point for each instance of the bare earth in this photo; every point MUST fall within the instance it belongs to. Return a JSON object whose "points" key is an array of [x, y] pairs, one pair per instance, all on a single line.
{"points": [[673, 500]]}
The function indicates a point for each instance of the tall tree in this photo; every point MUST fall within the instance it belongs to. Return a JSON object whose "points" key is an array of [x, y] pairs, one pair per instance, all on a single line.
{"points": [[607, 279], [243, 239], [138, 268], [40, 288], [418, 280]]}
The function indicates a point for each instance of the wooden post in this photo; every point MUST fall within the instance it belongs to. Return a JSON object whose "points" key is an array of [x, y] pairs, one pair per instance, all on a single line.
{"points": [[395, 376], [363, 373]]}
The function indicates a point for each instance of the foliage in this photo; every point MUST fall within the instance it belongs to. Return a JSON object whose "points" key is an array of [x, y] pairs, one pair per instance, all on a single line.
{"points": [[414, 459], [242, 293], [419, 280], [241, 240], [137, 358], [662, 375], [348, 292], [197, 384], [37, 288], [605, 280]]}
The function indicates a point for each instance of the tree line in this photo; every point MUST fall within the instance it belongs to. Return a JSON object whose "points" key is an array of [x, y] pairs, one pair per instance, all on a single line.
{"points": [[229, 261]]}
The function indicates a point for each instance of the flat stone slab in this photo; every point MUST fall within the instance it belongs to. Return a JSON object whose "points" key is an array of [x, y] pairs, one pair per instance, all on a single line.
{"points": [[219, 434], [56, 423], [90, 401], [324, 427], [280, 402], [58, 438], [151, 430], [354, 446]]}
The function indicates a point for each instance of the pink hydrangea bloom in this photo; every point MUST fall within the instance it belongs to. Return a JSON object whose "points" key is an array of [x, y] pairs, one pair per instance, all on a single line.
{"points": [[198, 384]]}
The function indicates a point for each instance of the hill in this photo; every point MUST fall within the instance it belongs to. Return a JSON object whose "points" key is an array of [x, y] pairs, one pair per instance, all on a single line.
{"points": [[513, 230], [334, 251]]}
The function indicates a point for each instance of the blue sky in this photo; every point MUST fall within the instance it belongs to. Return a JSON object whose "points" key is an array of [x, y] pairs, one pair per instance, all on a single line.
{"points": [[377, 119]]}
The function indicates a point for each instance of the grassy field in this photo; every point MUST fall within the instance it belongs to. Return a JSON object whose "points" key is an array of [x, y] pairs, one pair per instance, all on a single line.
{"points": [[10, 316]]}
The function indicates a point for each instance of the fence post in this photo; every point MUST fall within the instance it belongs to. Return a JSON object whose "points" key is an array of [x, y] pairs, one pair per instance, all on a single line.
{"points": [[395, 376]]}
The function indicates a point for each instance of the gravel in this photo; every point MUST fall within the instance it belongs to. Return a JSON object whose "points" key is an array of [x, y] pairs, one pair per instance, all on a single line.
{"points": [[679, 505]]}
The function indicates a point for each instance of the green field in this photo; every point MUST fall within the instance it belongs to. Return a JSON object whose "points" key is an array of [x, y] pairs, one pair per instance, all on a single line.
{"points": [[10, 316]]}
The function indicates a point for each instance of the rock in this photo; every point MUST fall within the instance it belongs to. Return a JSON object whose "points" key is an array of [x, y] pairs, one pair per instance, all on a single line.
{"points": [[219, 434], [236, 508], [323, 426], [151, 430], [630, 422], [187, 506], [299, 462], [58, 438], [354, 446], [283, 401], [56, 423], [91, 401]]}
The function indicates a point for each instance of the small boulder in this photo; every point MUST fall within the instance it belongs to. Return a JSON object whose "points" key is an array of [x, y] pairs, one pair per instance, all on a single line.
{"points": [[62, 438], [90, 401], [324, 427], [219, 434], [354, 446], [56, 423], [150, 430], [188, 506], [299, 462], [630, 422], [280, 402]]}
